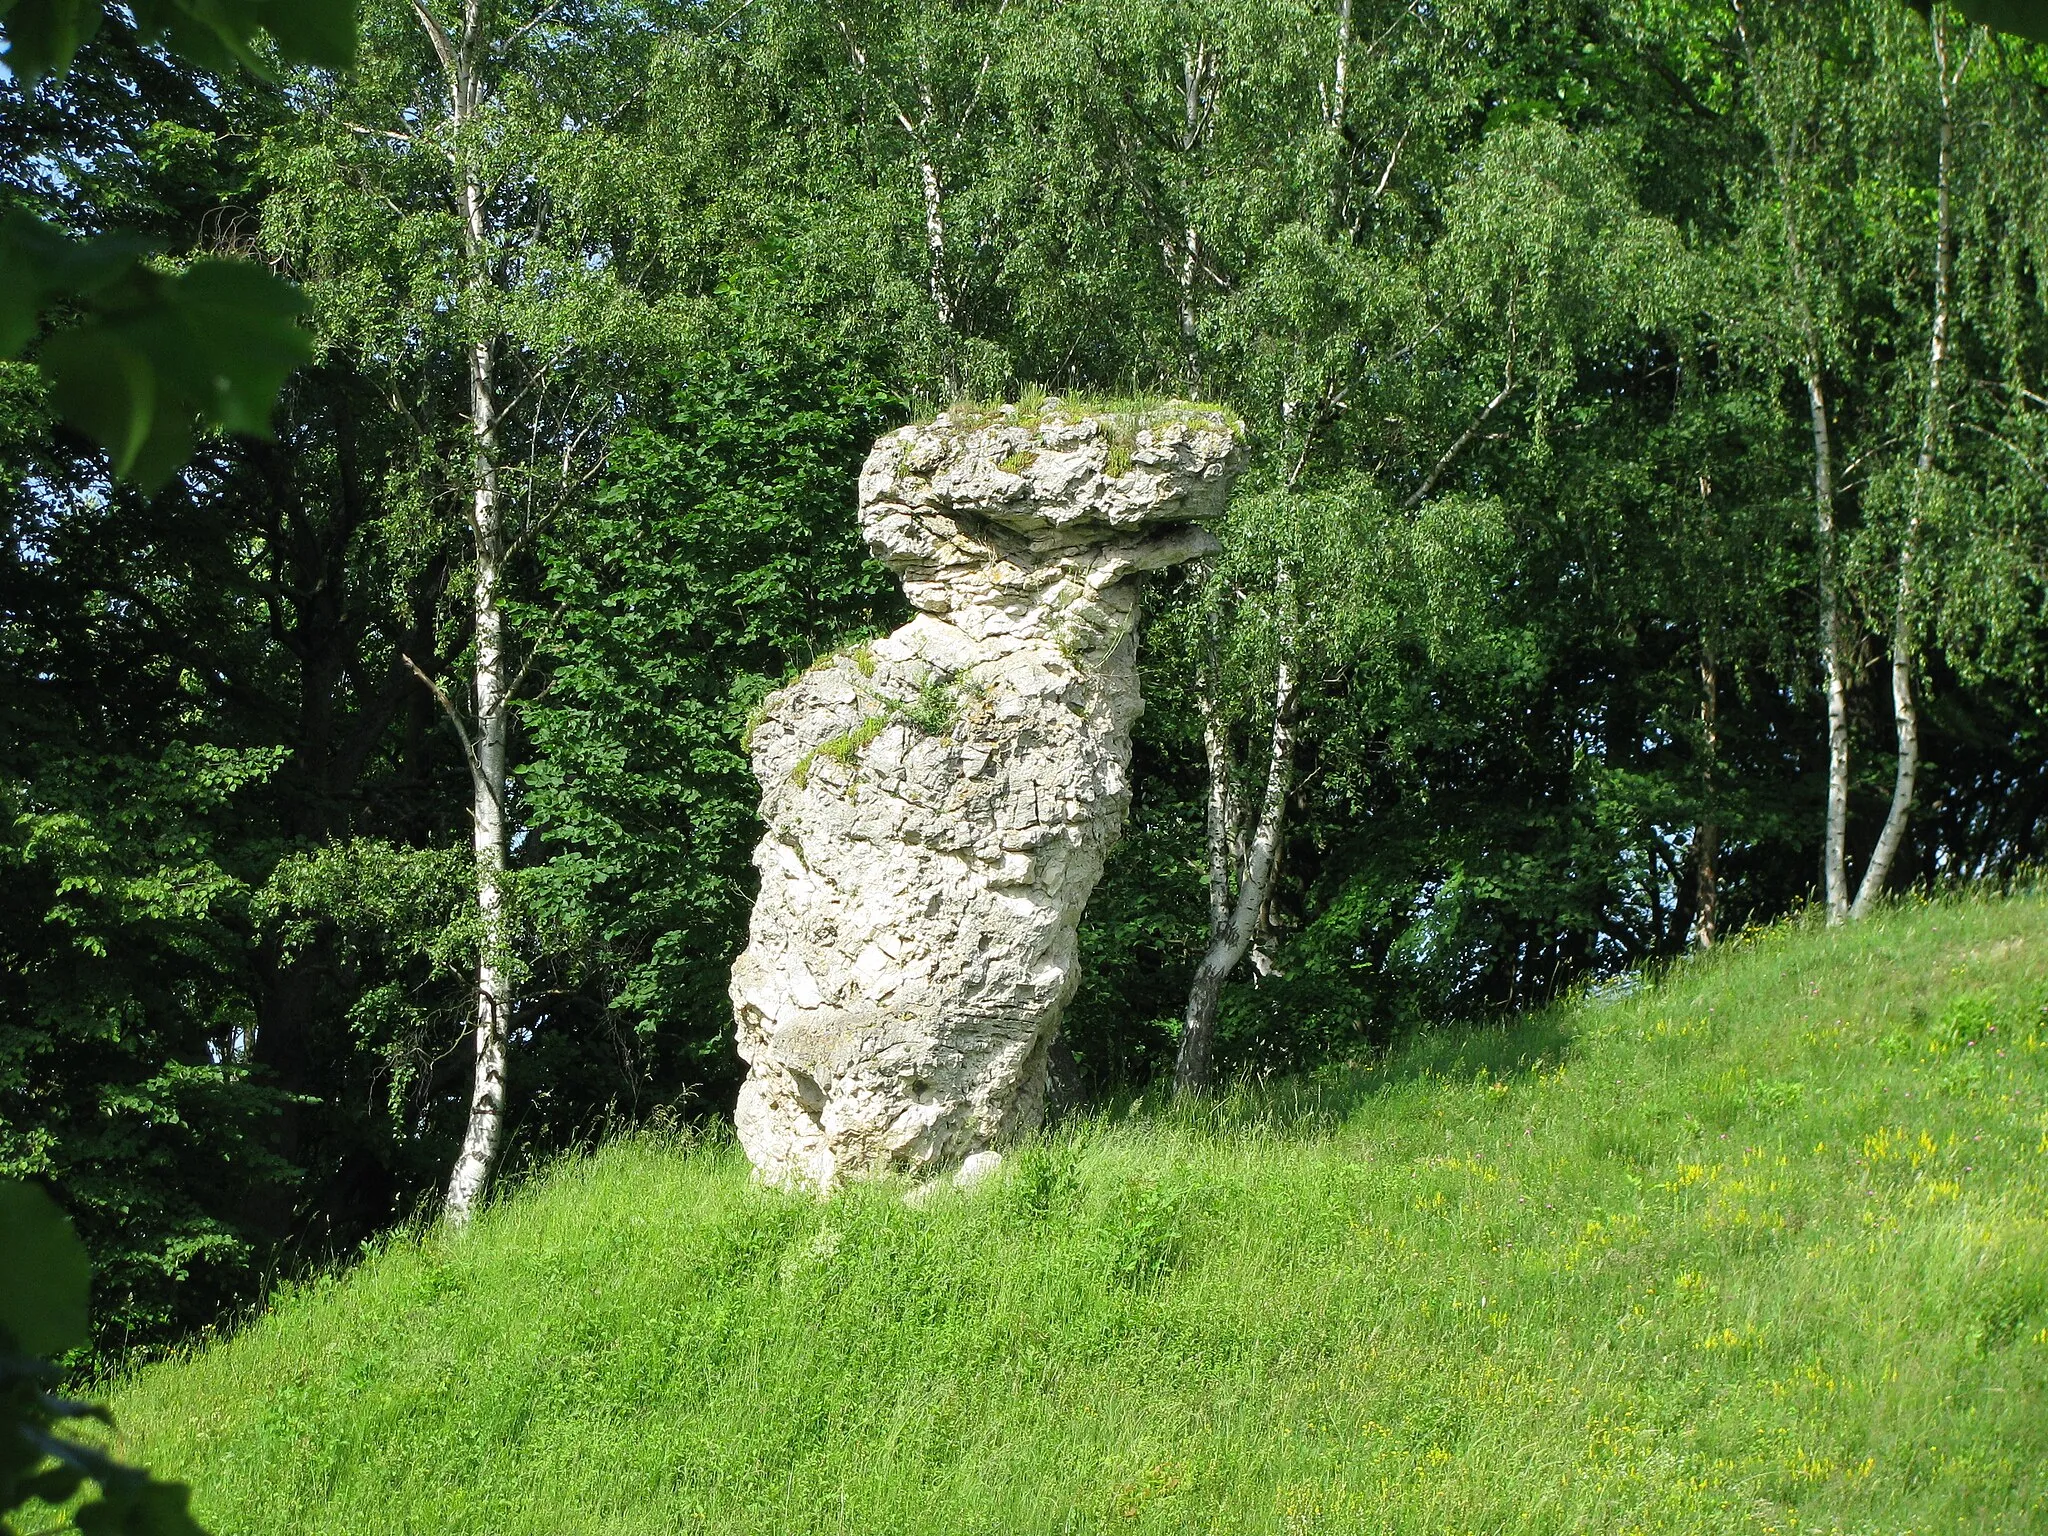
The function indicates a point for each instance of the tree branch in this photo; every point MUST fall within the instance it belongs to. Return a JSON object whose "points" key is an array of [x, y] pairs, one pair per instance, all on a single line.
{"points": [[980, 76], [539, 16], [533, 655], [859, 56], [444, 46], [1451, 453], [379, 133], [448, 708], [1388, 174]]}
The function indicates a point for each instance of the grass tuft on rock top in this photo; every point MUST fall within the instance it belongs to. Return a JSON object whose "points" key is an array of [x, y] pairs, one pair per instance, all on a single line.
{"points": [[1125, 415], [1763, 1247]]}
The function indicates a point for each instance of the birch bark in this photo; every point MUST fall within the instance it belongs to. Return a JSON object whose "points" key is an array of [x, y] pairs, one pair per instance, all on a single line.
{"points": [[461, 53], [1184, 263], [483, 1136], [920, 132], [1340, 84], [1833, 627], [1905, 709], [935, 234], [1229, 939], [1224, 832], [1706, 926]]}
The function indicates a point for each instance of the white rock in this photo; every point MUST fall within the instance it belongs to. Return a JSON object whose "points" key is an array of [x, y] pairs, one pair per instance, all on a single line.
{"points": [[913, 943], [977, 1167]]}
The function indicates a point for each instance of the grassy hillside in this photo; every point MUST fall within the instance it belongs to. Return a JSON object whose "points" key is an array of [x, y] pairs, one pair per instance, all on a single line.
{"points": [[1762, 1249]]}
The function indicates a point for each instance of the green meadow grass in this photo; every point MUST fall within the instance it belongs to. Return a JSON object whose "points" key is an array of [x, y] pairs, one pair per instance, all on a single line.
{"points": [[1761, 1248]]}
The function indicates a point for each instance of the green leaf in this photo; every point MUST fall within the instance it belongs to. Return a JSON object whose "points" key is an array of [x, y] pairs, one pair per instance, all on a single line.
{"points": [[38, 260], [105, 386], [44, 1274], [217, 35], [44, 35], [318, 32], [242, 327], [220, 35], [211, 345]]}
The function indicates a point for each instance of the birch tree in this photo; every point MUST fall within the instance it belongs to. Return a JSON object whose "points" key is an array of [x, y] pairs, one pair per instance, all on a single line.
{"points": [[1242, 855], [1855, 179], [922, 75], [1787, 127], [464, 262], [1288, 543], [1905, 708]]}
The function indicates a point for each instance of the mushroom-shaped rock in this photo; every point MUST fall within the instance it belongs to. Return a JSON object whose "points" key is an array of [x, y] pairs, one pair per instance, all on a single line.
{"points": [[939, 801]]}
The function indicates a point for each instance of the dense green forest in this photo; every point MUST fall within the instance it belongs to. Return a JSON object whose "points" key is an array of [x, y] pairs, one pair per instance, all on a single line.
{"points": [[1645, 535]]}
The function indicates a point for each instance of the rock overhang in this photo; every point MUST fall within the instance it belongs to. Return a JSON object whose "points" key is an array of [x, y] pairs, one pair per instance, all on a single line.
{"points": [[1059, 469]]}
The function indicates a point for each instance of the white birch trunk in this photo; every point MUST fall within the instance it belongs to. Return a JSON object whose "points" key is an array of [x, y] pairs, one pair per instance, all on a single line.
{"points": [[1834, 656], [1833, 638], [1906, 717], [935, 233], [1222, 821], [1340, 85], [1227, 946], [1706, 925], [1183, 263], [931, 185], [1905, 710], [483, 1133]]}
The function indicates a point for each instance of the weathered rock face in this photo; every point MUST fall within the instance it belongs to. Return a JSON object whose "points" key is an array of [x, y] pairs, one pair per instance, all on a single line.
{"points": [[939, 802]]}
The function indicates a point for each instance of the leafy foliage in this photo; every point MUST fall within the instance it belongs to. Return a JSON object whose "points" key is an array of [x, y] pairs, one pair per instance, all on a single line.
{"points": [[211, 344], [157, 351], [697, 581], [43, 36], [42, 1312], [119, 1035]]}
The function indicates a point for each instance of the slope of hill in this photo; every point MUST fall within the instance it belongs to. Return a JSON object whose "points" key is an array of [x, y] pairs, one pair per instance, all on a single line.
{"points": [[1761, 1248]]}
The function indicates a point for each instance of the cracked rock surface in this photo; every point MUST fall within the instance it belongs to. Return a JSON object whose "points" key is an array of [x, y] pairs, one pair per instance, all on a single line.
{"points": [[939, 801]]}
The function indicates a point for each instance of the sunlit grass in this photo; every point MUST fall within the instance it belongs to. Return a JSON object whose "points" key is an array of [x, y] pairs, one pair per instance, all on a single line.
{"points": [[1763, 1248]]}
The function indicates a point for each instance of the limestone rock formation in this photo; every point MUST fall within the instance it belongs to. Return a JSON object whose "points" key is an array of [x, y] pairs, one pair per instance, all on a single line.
{"points": [[939, 802]]}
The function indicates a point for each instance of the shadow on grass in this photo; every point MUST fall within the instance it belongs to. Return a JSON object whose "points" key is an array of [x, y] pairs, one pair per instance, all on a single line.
{"points": [[1312, 1103]]}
